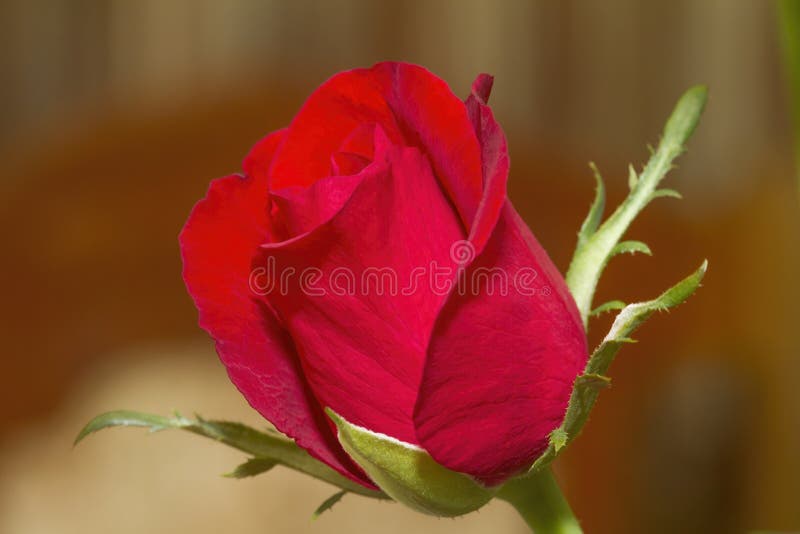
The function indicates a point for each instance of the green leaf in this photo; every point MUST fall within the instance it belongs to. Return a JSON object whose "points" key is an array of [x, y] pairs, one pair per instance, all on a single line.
{"points": [[252, 467], [630, 247], [595, 214], [671, 193], [408, 474], [327, 504], [594, 251], [587, 386], [269, 446], [611, 305]]}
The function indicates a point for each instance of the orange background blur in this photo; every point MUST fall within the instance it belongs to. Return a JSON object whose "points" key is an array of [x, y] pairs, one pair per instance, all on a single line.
{"points": [[115, 115]]}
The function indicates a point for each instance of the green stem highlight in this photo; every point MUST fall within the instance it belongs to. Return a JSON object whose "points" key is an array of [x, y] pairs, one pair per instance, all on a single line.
{"points": [[539, 501]]}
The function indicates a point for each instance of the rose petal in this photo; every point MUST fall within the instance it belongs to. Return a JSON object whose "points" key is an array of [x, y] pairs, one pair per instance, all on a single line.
{"points": [[494, 161], [218, 243], [482, 88], [356, 151], [362, 349], [500, 368], [299, 210], [256, 163], [414, 108]]}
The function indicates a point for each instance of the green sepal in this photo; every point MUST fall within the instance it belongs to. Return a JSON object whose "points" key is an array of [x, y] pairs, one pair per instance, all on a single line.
{"points": [[633, 178], [408, 474], [269, 446], [558, 439], [631, 247], [252, 467], [594, 249], [665, 192], [596, 210], [588, 385], [683, 121], [327, 504], [611, 305], [593, 380]]}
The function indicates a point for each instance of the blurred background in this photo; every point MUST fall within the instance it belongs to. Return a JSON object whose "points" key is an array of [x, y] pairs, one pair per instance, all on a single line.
{"points": [[115, 115]]}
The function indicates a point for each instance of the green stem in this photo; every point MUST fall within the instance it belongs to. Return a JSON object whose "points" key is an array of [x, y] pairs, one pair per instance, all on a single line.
{"points": [[539, 501]]}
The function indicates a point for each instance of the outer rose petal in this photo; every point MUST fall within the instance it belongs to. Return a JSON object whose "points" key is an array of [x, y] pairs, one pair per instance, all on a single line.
{"points": [[500, 369], [218, 243], [413, 107], [362, 351]]}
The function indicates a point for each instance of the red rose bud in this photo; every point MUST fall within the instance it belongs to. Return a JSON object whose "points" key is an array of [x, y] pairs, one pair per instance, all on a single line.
{"points": [[368, 262]]}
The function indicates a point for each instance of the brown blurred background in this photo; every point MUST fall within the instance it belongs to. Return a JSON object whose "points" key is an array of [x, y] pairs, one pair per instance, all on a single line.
{"points": [[115, 115]]}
